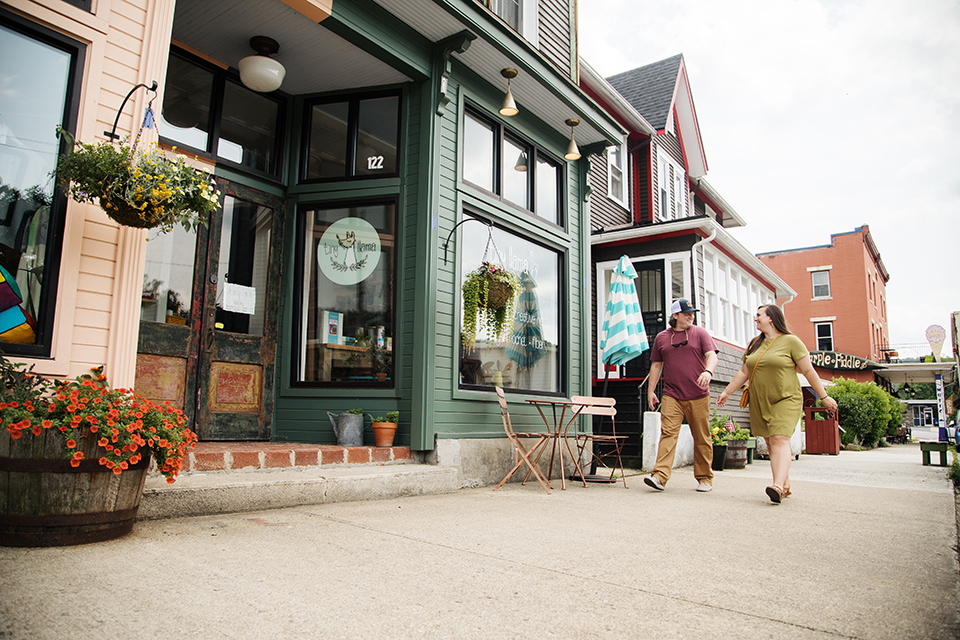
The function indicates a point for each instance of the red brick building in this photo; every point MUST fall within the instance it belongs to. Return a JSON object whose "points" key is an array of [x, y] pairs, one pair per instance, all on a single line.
{"points": [[840, 310]]}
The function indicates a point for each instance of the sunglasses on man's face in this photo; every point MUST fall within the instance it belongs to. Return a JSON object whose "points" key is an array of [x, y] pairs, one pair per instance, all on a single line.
{"points": [[678, 344]]}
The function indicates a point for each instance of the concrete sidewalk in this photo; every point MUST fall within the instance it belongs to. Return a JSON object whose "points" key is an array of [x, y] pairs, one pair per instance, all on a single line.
{"points": [[865, 548]]}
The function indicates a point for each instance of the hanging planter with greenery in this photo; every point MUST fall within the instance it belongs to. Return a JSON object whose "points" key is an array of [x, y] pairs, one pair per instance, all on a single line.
{"points": [[488, 295], [136, 188]]}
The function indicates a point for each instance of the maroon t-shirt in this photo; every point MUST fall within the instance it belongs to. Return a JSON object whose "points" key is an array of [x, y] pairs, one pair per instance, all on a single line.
{"points": [[683, 364]]}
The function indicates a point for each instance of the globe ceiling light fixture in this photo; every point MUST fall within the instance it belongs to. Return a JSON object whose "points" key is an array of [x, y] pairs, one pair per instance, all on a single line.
{"points": [[260, 72], [573, 153], [509, 107]]}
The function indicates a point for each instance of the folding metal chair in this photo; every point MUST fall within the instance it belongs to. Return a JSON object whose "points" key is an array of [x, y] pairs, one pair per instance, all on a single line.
{"points": [[521, 455], [611, 443]]}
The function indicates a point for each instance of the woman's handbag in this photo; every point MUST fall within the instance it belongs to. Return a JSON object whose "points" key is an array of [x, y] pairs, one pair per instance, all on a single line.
{"points": [[745, 395]]}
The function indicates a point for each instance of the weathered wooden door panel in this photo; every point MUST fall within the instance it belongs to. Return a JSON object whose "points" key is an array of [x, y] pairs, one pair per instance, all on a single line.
{"points": [[240, 316], [218, 365]]}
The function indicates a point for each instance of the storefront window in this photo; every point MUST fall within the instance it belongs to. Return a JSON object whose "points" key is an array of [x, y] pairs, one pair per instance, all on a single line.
{"points": [[528, 177], [351, 139], [168, 276], [31, 211], [199, 99], [346, 285], [529, 356], [248, 129]]}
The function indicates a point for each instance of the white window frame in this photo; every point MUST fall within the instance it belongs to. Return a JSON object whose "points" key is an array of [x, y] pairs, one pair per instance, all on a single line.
{"points": [[813, 282], [817, 337], [663, 192], [671, 187], [729, 304], [679, 196], [604, 273], [614, 154], [527, 28]]}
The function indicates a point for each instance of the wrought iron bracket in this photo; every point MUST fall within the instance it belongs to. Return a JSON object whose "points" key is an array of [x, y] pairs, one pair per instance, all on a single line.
{"points": [[112, 135], [450, 235]]}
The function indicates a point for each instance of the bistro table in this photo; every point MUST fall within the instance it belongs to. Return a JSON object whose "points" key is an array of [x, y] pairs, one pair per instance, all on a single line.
{"points": [[557, 428]]}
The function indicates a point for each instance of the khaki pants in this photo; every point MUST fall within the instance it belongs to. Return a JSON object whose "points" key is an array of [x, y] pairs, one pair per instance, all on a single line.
{"points": [[697, 415]]}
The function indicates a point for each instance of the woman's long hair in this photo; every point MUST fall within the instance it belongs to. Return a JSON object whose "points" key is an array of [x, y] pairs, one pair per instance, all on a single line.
{"points": [[779, 323]]}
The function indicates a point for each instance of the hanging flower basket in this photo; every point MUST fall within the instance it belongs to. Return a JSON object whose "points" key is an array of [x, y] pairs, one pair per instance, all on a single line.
{"points": [[135, 188], [488, 295]]}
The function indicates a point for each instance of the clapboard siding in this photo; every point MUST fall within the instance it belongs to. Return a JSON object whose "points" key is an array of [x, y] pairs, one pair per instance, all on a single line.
{"points": [[604, 212], [555, 34]]}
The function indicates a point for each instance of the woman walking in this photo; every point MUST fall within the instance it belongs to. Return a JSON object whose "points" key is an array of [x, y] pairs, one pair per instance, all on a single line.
{"points": [[776, 402]]}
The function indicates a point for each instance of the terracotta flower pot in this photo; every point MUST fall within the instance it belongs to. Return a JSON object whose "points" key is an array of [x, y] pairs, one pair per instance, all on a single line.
{"points": [[383, 433]]}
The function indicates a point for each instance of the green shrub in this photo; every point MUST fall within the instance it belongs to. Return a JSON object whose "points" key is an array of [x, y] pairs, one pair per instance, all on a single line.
{"points": [[867, 412], [355, 412]]}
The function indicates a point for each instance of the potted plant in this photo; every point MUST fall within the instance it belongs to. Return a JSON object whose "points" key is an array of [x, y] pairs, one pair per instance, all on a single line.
{"points": [[384, 428], [61, 429], [137, 188], [729, 442], [488, 295]]}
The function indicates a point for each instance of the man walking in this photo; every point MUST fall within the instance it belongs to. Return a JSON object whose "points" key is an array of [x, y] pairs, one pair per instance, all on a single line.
{"points": [[685, 356]]}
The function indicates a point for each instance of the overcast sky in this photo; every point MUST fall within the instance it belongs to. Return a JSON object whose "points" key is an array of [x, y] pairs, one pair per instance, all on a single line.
{"points": [[818, 117]]}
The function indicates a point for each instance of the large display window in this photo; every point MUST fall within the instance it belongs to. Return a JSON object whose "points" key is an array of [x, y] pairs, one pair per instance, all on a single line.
{"points": [[345, 295], [529, 356], [31, 209]]}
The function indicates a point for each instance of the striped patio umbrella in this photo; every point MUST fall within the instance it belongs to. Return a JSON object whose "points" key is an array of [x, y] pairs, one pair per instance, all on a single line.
{"points": [[623, 335], [526, 346]]}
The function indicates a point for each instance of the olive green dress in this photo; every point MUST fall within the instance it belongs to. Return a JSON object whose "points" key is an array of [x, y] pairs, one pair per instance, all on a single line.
{"points": [[776, 401]]}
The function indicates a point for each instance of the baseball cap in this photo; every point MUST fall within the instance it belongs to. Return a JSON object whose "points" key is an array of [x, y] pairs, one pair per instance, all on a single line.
{"points": [[682, 306]]}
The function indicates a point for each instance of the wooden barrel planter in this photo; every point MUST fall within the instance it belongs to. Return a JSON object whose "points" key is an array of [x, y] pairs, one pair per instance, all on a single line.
{"points": [[46, 502], [736, 454]]}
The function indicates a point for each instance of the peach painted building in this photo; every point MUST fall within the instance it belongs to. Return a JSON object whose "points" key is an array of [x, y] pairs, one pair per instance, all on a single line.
{"points": [[840, 310]]}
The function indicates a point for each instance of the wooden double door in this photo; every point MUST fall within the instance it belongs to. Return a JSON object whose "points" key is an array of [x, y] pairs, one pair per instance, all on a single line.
{"points": [[209, 317]]}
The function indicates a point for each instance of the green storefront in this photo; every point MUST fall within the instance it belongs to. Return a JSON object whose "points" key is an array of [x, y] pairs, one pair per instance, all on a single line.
{"points": [[357, 197]]}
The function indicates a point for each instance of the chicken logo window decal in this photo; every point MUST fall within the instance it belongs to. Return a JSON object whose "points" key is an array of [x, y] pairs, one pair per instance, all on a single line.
{"points": [[349, 251]]}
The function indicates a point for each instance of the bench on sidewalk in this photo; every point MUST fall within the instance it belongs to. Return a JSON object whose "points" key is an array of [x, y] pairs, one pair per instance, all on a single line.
{"points": [[927, 447]]}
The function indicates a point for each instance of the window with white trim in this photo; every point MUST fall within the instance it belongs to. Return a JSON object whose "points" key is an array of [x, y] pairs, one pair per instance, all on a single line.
{"points": [[824, 333], [519, 14], [672, 195], [616, 173], [663, 180], [821, 284], [731, 298], [679, 197], [708, 314]]}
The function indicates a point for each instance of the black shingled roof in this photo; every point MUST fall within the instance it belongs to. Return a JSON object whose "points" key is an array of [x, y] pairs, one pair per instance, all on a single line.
{"points": [[650, 88]]}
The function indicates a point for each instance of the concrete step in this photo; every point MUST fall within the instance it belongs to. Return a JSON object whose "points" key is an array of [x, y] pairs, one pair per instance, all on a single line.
{"points": [[199, 494], [231, 477]]}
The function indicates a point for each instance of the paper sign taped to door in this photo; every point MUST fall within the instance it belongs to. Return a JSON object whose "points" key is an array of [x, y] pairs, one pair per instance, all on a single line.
{"points": [[239, 299]]}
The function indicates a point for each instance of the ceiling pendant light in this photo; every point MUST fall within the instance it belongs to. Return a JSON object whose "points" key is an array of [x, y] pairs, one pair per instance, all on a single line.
{"points": [[573, 153], [261, 72], [509, 106], [521, 162]]}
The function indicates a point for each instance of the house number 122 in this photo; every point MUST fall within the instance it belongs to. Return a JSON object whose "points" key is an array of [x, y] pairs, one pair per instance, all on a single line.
{"points": [[375, 162]]}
